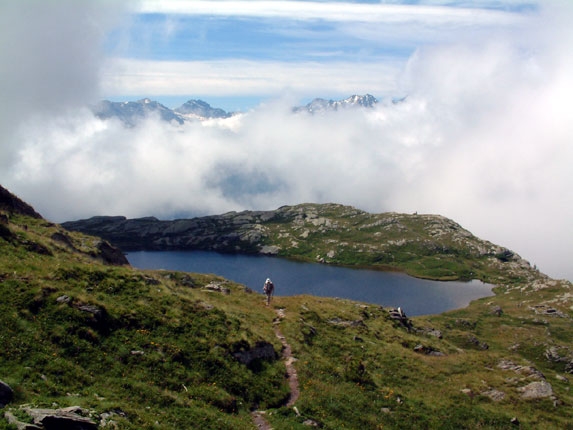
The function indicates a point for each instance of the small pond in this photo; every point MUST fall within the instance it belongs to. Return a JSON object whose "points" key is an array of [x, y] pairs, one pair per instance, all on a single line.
{"points": [[415, 296]]}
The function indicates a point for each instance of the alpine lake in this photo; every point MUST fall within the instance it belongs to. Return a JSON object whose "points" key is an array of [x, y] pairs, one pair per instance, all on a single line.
{"points": [[390, 289]]}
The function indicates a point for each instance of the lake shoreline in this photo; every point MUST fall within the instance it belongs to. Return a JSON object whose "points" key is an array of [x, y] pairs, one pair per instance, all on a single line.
{"points": [[295, 277]]}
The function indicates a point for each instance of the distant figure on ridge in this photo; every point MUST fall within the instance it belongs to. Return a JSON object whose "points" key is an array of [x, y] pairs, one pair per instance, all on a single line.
{"points": [[269, 288]]}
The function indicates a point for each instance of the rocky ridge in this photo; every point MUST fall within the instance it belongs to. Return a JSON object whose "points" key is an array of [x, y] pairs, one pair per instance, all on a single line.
{"points": [[423, 245], [131, 113]]}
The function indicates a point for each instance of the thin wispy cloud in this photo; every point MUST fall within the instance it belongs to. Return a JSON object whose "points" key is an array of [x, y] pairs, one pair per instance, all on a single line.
{"points": [[331, 11], [244, 77]]}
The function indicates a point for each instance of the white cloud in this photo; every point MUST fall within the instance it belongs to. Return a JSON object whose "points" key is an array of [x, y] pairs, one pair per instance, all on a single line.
{"points": [[246, 77], [50, 59], [484, 138], [331, 11]]}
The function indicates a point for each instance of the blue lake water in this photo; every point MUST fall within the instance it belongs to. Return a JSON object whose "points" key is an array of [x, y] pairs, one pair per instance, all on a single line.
{"points": [[415, 296]]}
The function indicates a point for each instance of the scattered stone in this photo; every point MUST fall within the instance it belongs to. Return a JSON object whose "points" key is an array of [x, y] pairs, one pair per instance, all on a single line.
{"points": [[465, 323], [475, 341], [536, 390], [19, 424], [496, 310], [561, 378], [495, 395], [344, 323], [269, 250], [399, 315], [310, 423], [528, 371], [97, 312], [63, 299], [431, 332], [137, 352], [385, 410], [152, 281], [206, 306], [547, 310], [514, 421], [217, 288], [61, 419], [295, 409], [428, 350], [6, 394], [467, 392]]}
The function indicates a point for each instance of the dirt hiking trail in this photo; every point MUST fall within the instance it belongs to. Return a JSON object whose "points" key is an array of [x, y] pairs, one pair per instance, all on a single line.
{"points": [[259, 416]]}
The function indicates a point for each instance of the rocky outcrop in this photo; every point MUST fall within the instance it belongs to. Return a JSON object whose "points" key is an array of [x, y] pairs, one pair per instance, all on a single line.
{"points": [[12, 204], [327, 233], [6, 394], [111, 255], [61, 419], [536, 390], [226, 233]]}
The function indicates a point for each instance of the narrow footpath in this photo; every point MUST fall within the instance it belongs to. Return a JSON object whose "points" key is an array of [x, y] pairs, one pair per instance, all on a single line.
{"points": [[259, 416]]}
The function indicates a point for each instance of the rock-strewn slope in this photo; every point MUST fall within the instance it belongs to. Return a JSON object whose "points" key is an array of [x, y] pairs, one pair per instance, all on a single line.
{"points": [[128, 349], [429, 246]]}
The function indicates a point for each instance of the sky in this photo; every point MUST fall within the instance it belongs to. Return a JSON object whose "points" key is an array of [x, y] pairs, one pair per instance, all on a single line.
{"points": [[484, 135]]}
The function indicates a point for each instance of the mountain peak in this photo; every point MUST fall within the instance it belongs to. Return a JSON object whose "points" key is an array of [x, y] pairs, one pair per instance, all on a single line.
{"points": [[201, 109], [322, 105]]}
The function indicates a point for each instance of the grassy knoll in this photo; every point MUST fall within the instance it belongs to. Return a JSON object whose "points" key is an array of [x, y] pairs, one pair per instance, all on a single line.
{"points": [[425, 246]]}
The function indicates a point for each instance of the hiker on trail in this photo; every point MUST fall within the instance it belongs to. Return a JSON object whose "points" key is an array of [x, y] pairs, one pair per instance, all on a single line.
{"points": [[269, 288]]}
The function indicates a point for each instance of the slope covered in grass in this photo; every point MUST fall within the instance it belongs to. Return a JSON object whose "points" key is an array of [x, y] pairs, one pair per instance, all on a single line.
{"points": [[169, 350]]}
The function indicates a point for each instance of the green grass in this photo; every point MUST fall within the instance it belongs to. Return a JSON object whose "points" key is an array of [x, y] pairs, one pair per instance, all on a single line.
{"points": [[160, 348]]}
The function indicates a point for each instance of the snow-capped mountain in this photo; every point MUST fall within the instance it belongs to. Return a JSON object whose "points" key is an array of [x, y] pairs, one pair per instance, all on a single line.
{"points": [[131, 113], [201, 109], [321, 105]]}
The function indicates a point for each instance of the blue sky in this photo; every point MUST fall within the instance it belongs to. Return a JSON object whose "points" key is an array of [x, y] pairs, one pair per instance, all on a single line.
{"points": [[235, 54]]}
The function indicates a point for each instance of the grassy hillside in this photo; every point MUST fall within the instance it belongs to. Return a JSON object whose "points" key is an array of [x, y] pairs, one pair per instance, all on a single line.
{"points": [[426, 246], [158, 349]]}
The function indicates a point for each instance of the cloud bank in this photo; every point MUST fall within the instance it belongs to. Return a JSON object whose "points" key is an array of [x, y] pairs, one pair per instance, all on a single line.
{"points": [[50, 60], [484, 137]]}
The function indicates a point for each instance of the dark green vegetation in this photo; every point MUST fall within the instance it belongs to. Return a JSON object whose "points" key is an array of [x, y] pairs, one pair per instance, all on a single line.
{"points": [[426, 246], [161, 349]]}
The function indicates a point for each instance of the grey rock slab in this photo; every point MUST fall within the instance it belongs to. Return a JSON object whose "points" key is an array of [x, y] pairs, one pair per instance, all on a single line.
{"points": [[495, 395], [61, 419], [536, 390], [19, 424], [269, 250]]}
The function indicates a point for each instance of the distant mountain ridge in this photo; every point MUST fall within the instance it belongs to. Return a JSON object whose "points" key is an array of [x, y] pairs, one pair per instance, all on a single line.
{"points": [[133, 112], [201, 109], [322, 105]]}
